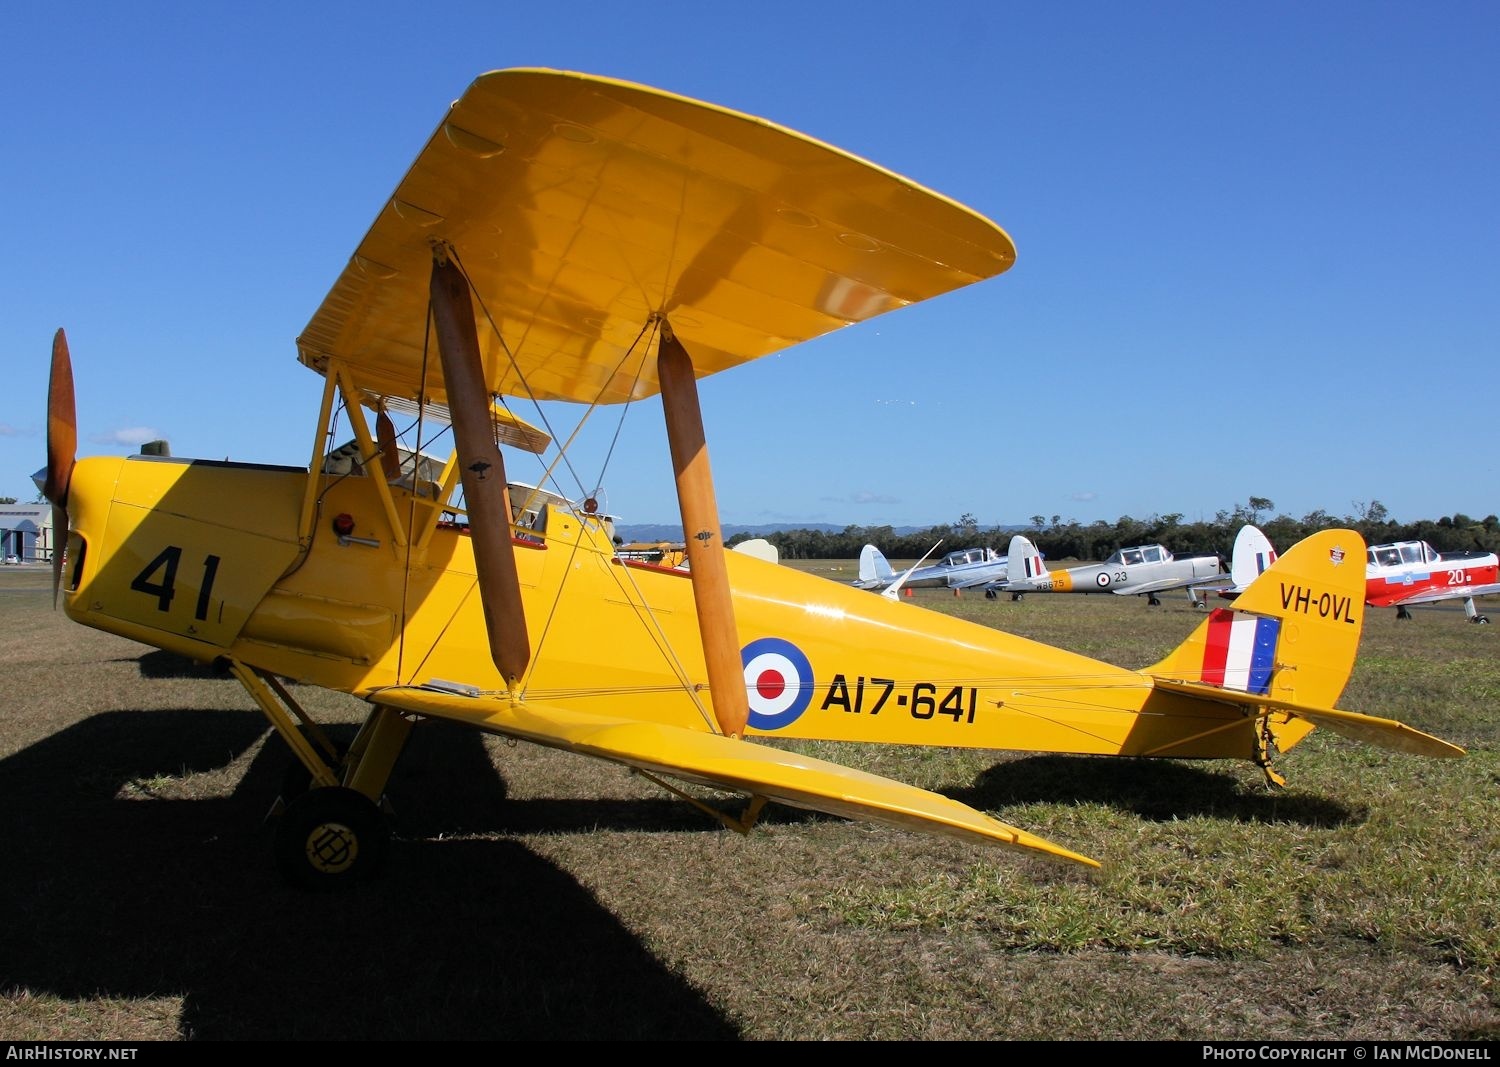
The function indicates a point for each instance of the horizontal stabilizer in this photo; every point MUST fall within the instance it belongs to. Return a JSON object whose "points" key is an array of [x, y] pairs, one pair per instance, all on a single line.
{"points": [[725, 763], [1372, 730]]}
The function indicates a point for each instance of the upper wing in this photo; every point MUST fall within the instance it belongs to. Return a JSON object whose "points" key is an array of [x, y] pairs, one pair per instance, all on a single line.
{"points": [[723, 762], [580, 207]]}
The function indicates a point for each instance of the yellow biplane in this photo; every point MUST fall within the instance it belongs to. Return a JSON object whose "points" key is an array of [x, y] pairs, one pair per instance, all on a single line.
{"points": [[571, 238]]}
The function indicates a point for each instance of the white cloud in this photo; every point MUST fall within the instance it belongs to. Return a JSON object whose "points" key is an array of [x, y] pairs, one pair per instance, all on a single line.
{"points": [[129, 436]]}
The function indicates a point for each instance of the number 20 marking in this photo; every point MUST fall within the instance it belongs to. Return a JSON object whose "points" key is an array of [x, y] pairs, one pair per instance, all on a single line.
{"points": [[166, 561]]}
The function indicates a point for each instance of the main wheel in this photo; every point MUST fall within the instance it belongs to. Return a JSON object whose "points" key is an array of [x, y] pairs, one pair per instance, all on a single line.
{"points": [[331, 837]]}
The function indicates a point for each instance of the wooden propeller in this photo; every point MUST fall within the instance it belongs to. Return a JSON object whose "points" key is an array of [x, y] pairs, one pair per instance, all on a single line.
{"points": [[62, 450], [390, 451]]}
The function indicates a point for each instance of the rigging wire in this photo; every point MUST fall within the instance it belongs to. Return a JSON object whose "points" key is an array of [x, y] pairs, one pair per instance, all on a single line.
{"points": [[640, 344]]}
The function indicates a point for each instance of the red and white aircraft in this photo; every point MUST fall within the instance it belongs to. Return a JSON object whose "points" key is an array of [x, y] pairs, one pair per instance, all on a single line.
{"points": [[1413, 572]]}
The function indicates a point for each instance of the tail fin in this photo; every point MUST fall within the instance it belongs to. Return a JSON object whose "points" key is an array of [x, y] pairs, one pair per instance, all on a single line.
{"points": [[760, 548], [1253, 553], [873, 567], [1024, 567], [1294, 631]]}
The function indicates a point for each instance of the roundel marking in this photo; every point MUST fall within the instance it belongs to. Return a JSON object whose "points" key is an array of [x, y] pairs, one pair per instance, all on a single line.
{"points": [[778, 682], [1102, 579]]}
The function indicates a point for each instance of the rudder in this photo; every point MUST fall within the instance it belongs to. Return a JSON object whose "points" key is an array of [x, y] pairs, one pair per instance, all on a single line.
{"points": [[1293, 633]]}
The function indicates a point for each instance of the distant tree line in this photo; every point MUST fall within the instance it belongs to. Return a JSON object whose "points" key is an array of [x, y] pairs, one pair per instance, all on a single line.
{"points": [[1059, 540]]}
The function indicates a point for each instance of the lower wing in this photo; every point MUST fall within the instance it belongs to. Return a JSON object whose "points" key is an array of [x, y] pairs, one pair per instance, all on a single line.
{"points": [[722, 762], [1432, 596], [1161, 585]]}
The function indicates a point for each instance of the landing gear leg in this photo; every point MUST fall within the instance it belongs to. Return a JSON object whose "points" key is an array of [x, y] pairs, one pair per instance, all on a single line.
{"points": [[1473, 613], [1267, 750], [1401, 612]]}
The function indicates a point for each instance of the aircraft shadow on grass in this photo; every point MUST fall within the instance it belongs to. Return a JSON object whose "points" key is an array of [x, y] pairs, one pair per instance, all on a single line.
{"points": [[1157, 790], [479, 939], [108, 896]]}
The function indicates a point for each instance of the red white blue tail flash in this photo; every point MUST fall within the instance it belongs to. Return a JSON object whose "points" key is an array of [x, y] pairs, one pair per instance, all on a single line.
{"points": [[1241, 651]]}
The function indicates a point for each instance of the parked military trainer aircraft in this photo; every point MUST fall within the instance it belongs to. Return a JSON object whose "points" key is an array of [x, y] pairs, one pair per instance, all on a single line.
{"points": [[571, 238], [1404, 573], [1144, 570], [962, 568]]}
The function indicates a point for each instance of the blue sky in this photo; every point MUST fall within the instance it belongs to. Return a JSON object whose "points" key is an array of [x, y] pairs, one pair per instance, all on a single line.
{"points": [[1257, 243]]}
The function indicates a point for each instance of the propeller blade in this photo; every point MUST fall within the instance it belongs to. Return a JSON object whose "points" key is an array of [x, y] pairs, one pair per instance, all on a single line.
{"points": [[390, 453], [62, 451], [59, 545], [62, 424]]}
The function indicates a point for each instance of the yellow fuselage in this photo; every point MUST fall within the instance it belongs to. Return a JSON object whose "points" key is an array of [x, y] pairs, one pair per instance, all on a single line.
{"points": [[205, 559]]}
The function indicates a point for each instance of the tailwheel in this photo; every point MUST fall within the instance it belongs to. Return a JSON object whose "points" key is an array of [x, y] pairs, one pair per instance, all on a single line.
{"points": [[329, 838]]}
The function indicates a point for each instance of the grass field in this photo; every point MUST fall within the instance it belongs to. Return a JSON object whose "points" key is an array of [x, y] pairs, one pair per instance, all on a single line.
{"points": [[532, 894]]}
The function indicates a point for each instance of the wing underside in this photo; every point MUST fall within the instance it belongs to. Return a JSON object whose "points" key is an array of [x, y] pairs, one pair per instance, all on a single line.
{"points": [[582, 208], [725, 763]]}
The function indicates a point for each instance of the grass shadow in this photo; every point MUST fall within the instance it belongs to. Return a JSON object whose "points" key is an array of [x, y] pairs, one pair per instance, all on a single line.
{"points": [[1154, 789], [461, 939]]}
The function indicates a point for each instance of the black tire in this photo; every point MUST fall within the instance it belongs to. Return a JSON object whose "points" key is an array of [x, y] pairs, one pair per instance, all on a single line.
{"points": [[330, 838]]}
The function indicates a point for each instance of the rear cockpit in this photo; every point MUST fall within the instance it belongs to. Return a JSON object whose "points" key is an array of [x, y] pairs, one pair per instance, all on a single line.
{"points": [[529, 504], [1134, 557]]}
